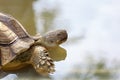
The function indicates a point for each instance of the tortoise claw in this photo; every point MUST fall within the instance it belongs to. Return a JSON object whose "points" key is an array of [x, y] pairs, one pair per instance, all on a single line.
{"points": [[41, 61]]}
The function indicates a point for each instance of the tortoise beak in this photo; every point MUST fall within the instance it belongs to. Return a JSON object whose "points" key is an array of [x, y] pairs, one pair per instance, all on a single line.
{"points": [[62, 36]]}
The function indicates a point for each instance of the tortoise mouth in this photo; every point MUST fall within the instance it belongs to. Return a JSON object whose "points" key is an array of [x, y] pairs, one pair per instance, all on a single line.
{"points": [[62, 38]]}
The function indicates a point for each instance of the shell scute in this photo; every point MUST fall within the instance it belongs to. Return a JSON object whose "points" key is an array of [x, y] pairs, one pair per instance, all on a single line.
{"points": [[14, 25], [7, 56], [6, 35], [14, 39]]}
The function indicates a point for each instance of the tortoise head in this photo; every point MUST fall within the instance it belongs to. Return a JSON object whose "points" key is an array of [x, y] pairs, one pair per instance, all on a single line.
{"points": [[54, 38]]}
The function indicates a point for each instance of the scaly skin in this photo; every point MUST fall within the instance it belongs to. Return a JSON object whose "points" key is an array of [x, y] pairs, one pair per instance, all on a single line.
{"points": [[41, 61]]}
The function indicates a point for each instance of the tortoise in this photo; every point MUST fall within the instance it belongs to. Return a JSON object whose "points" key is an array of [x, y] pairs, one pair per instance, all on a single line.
{"points": [[18, 49]]}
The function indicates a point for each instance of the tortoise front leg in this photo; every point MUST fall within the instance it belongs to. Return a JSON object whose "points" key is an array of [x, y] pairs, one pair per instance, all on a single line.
{"points": [[41, 61]]}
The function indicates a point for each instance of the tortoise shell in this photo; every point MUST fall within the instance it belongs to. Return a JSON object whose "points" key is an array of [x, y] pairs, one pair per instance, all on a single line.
{"points": [[14, 39]]}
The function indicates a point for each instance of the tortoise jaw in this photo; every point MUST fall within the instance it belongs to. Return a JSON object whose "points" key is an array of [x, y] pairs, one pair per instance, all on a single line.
{"points": [[61, 41], [62, 36]]}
